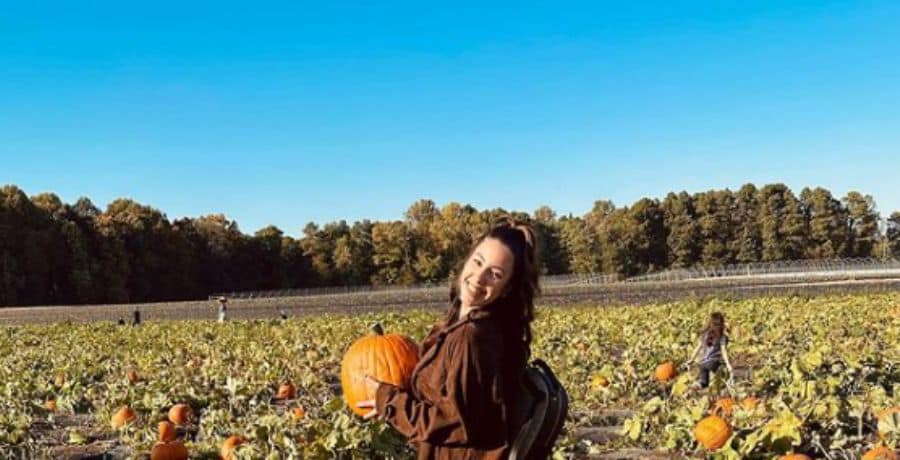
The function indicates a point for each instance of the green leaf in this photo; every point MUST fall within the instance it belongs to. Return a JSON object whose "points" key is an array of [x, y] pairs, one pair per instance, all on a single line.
{"points": [[76, 437], [653, 405], [681, 385], [786, 426]]}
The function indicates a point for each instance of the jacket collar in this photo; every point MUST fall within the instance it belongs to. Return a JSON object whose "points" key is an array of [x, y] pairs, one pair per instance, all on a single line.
{"points": [[477, 314]]}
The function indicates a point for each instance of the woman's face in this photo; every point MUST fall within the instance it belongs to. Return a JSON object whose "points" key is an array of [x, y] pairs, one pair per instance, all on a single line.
{"points": [[486, 274]]}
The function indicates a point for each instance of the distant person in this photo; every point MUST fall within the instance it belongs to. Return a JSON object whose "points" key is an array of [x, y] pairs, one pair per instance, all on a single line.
{"points": [[712, 350], [136, 318], [121, 321], [223, 309]]}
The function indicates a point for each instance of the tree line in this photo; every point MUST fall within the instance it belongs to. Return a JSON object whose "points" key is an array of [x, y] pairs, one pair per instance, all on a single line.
{"points": [[58, 253]]}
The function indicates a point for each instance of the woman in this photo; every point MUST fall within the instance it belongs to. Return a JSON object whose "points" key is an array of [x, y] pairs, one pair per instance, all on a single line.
{"points": [[461, 402], [712, 350]]}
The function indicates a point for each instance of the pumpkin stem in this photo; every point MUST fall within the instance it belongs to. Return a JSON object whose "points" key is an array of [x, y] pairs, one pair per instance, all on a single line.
{"points": [[377, 329]]}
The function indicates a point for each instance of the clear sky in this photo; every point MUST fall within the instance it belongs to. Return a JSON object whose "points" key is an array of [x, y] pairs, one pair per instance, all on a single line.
{"points": [[289, 112]]}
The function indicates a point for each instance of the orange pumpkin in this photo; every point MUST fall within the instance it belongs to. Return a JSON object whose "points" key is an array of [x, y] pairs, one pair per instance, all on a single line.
{"points": [[298, 413], [723, 407], [124, 416], [166, 431], [712, 432], [179, 414], [880, 453], [387, 358], [750, 403], [174, 450], [286, 391], [229, 445], [50, 405], [795, 457], [665, 371]]}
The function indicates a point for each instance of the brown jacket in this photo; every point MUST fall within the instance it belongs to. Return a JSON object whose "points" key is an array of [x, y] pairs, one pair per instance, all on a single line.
{"points": [[455, 408]]}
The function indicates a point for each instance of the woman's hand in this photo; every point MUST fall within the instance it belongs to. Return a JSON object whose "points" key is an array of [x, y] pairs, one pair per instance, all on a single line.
{"points": [[372, 386]]}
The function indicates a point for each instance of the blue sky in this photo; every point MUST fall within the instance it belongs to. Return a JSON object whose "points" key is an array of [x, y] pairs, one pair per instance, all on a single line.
{"points": [[285, 113]]}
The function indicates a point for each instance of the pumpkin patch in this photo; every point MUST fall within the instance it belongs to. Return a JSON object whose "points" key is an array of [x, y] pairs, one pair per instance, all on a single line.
{"points": [[809, 371]]}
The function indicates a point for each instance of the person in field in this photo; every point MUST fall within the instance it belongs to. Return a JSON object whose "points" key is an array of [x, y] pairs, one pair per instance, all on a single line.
{"points": [[462, 397], [223, 309], [712, 350]]}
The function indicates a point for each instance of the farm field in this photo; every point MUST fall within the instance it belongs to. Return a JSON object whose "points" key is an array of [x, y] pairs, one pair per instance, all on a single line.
{"points": [[824, 373], [435, 298]]}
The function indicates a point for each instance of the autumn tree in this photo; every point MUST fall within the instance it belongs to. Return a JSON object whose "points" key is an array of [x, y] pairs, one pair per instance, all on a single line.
{"points": [[892, 234], [826, 221], [392, 253], [781, 223], [552, 256], [747, 243], [683, 240], [581, 245], [862, 223]]}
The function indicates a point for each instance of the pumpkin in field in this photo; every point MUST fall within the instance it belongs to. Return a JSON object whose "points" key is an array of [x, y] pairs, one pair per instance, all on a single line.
{"points": [[124, 416], [665, 371], [387, 358], [179, 414], [287, 390], [712, 432], [880, 453], [166, 431], [298, 413], [794, 457], [229, 445], [750, 403], [173, 450], [50, 405], [132, 376], [723, 407]]}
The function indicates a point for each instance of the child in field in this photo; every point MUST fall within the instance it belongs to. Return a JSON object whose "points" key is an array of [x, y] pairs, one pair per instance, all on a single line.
{"points": [[712, 350]]}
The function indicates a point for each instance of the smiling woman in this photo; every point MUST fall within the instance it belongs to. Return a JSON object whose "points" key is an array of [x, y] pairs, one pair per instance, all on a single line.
{"points": [[462, 401], [483, 279]]}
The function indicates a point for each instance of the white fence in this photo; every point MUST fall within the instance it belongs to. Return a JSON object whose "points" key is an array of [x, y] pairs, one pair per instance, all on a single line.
{"points": [[807, 268]]}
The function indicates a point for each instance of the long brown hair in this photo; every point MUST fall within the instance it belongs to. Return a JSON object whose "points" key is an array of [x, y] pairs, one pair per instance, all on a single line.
{"points": [[715, 328], [515, 310]]}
